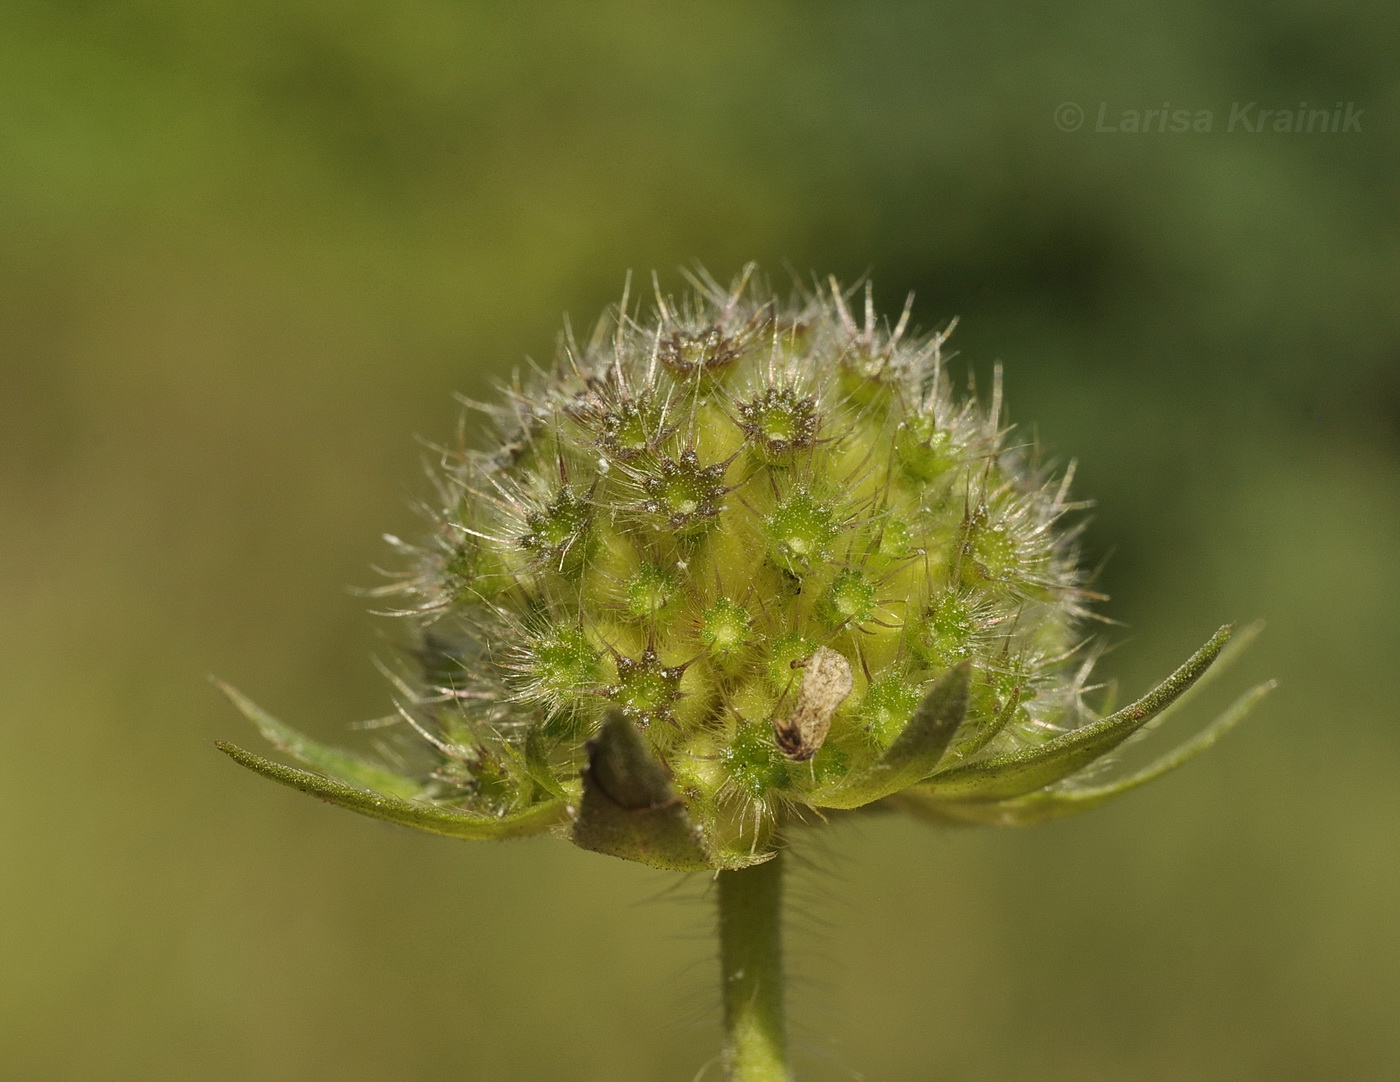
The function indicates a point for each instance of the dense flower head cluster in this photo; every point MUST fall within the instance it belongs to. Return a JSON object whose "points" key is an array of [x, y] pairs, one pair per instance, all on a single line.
{"points": [[719, 570], [679, 514]]}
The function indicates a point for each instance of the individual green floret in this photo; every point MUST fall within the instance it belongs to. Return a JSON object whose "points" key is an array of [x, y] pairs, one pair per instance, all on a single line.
{"points": [[560, 664], [801, 529], [628, 429], [755, 766], [945, 632], [683, 494], [780, 421], [726, 628], [706, 350], [646, 690], [559, 528], [924, 450], [850, 599]]}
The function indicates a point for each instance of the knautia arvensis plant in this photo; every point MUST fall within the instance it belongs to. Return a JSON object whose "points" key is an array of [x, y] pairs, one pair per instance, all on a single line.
{"points": [[742, 566]]}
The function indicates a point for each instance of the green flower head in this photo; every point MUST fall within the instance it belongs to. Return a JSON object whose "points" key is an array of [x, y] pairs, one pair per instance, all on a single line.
{"points": [[745, 564]]}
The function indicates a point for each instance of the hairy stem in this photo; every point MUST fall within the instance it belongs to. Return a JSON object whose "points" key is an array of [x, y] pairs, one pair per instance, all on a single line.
{"points": [[751, 961]]}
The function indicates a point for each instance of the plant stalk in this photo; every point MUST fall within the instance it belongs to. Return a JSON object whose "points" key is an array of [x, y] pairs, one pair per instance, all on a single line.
{"points": [[751, 963]]}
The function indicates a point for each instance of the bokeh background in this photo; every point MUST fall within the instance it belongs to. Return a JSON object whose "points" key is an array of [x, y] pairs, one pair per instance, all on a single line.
{"points": [[247, 251]]}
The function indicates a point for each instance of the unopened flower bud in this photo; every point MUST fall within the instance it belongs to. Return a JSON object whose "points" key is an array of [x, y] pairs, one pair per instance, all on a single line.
{"points": [[730, 565]]}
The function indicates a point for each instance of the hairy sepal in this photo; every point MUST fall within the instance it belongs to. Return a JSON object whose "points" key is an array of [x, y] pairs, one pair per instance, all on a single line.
{"points": [[334, 762], [431, 818], [1060, 801], [1008, 776]]}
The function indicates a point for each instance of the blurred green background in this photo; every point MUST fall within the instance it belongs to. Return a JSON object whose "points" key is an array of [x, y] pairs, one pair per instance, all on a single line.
{"points": [[248, 251]]}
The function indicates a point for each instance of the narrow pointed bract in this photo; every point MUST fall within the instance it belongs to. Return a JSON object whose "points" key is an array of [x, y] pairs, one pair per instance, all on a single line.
{"points": [[432, 818], [1069, 798], [345, 765], [1022, 772]]}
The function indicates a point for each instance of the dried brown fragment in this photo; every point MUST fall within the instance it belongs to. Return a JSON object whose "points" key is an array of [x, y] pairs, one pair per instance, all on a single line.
{"points": [[826, 681]]}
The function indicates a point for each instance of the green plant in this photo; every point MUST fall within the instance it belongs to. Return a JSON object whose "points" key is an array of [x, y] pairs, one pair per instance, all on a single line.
{"points": [[741, 568]]}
